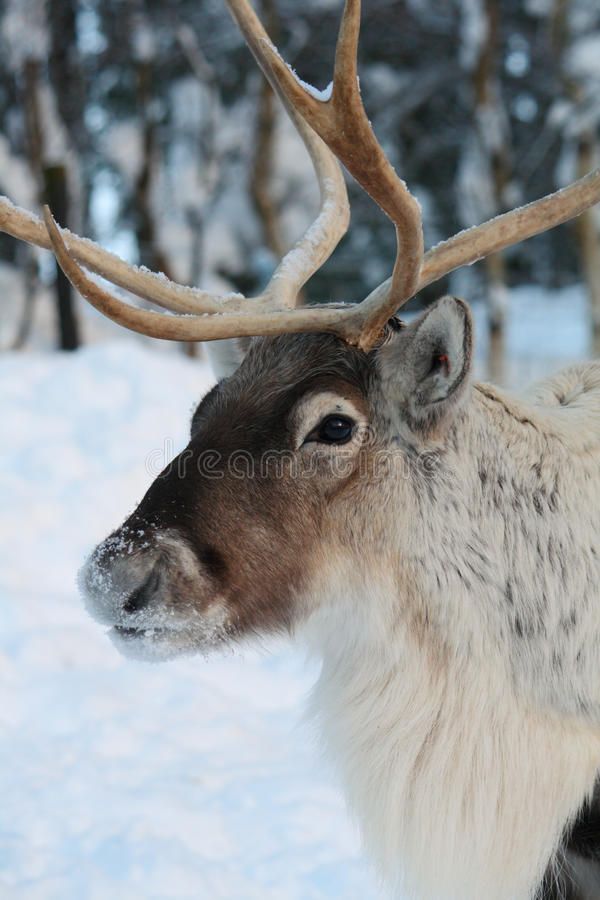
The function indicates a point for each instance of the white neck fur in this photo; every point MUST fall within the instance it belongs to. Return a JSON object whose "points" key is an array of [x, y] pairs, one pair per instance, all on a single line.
{"points": [[461, 792]]}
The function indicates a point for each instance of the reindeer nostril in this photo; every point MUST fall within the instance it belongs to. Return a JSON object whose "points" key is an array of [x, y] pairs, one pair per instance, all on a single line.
{"points": [[212, 560], [141, 597]]}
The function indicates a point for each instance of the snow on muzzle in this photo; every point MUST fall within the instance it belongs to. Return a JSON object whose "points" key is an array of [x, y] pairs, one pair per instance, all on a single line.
{"points": [[150, 587]]}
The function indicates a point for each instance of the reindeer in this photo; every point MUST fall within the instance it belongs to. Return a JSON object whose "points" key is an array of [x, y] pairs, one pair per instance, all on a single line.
{"points": [[433, 541]]}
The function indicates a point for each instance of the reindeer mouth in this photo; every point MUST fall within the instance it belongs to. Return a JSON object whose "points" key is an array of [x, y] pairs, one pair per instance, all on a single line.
{"points": [[145, 643], [157, 642], [148, 632]]}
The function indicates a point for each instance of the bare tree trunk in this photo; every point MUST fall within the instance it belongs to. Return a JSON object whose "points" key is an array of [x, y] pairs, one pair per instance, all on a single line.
{"points": [[30, 287], [67, 78], [53, 190], [65, 69], [264, 141], [497, 301], [55, 178], [152, 254], [589, 238], [488, 106], [208, 156], [588, 153]]}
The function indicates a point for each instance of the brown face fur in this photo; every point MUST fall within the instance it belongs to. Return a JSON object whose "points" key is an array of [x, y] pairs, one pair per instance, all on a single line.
{"points": [[245, 497], [228, 537]]}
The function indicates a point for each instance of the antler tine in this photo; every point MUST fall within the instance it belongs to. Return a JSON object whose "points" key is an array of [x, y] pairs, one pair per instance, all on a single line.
{"points": [[254, 320], [342, 124], [175, 297], [294, 270], [341, 121], [473, 244], [324, 234], [376, 175]]}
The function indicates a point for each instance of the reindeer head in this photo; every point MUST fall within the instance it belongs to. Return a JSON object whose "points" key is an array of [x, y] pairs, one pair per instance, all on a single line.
{"points": [[281, 466], [288, 461]]}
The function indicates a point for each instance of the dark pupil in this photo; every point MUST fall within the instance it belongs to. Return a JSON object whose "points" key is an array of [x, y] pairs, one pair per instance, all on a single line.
{"points": [[335, 430]]}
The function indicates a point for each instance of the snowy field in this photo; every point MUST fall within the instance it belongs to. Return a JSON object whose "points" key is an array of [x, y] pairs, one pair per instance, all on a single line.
{"points": [[119, 779], [126, 780]]}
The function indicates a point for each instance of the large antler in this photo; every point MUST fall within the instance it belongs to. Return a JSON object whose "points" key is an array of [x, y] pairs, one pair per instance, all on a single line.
{"points": [[332, 123], [294, 270]]}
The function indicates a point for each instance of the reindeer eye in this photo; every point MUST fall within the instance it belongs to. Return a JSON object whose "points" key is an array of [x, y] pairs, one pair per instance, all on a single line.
{"points": [[332, 430]]}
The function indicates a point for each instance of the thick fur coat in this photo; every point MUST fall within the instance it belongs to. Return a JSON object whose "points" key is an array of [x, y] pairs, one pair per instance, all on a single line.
{"points": [[442, 561]]}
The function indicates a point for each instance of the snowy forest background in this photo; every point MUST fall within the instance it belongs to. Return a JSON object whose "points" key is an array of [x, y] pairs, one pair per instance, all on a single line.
{"points": [[148, 128]]}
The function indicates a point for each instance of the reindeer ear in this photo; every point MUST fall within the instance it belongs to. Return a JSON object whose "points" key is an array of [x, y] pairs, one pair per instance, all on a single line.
{"points": [[426, 366], [225, 356]]}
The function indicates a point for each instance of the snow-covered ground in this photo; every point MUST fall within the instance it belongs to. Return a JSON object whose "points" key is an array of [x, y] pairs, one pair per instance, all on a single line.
{"points": [[193, 778], [120, 779]]}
